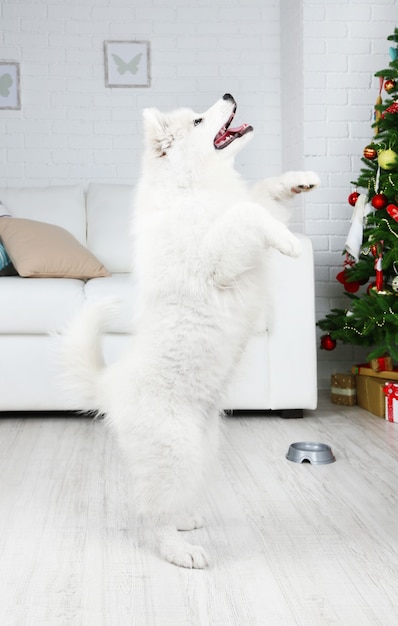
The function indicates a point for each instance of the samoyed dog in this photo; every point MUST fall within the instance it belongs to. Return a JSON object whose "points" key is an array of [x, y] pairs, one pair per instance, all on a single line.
{"points": [[200, 241]]}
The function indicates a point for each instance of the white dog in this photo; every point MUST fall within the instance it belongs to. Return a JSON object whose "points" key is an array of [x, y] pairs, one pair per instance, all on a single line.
{"points": [[200, 241]]}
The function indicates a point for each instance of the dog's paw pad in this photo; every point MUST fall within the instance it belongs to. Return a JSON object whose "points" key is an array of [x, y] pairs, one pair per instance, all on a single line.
{"points": [[304, 181], [303, 188]]}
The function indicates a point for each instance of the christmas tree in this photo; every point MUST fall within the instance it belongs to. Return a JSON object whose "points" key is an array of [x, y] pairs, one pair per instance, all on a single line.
{"points": [[370, 269]]}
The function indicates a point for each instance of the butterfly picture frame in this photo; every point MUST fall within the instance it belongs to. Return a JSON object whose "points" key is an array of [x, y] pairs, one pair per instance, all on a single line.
{"points": [[127, 64], [9, 85]]}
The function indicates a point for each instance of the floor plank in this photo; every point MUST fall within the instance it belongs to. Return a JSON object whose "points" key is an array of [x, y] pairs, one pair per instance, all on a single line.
{"points": [[290, 544]]}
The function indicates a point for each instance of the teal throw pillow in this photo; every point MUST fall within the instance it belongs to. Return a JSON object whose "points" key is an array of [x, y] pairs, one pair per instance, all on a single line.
{"points": [[4, 258]]}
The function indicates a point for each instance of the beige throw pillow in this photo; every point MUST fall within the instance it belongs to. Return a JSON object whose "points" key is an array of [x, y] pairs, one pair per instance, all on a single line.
{"points": [[42, 250]]}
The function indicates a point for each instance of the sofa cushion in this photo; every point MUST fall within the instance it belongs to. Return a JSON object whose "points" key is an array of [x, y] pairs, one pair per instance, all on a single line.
{"points": [[44, 250], [60, 205], [109, 209], [121, 288], [38, 306], [4, 210]]}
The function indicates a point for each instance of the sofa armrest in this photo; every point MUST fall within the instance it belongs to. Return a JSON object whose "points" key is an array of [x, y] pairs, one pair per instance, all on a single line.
{"points": [[292, 331]]}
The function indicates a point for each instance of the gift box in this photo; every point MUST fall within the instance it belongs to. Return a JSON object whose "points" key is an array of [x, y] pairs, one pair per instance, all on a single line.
{"points": [[366, 370], [343, 389], [370, 394], [391, 405], [382, 364]]}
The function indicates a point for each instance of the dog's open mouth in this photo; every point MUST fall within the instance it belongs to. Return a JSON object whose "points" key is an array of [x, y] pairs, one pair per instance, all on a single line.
{"points": [[227, 135]]}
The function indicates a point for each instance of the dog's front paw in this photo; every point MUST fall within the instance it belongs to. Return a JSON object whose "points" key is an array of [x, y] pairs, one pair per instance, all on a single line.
{"points": [[293, 247], [289, 245], [282, 239], [303, 181]]}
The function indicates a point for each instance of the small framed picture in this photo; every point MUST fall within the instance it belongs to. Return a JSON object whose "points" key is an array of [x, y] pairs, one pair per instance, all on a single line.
{"points": [[9, 85], [127, 64]]}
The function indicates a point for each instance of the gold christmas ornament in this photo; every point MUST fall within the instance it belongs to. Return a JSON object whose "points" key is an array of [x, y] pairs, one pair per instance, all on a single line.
{"points": [[388, 159]]}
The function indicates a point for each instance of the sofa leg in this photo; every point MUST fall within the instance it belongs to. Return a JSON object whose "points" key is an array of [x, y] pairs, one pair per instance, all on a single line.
{"points": [[291, 413], [285, 413]]}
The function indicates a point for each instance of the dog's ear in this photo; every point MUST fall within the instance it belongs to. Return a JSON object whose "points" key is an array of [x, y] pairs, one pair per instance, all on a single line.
{"points": [[152, 119], [157, 130]]}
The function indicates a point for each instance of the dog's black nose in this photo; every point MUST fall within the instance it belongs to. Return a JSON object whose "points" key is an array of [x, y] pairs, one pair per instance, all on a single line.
{"points": [[227, 96]]}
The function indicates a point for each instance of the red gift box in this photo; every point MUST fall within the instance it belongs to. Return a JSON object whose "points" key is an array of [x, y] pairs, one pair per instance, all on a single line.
{"points": [[391, 393], [382, 364]]}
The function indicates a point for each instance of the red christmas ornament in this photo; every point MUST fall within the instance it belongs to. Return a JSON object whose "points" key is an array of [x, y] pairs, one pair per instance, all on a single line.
{"points": [[327, 343], [379, 201], [341, 277], [353, 197], [369, 153], [392, 211], [389, 84], [351, 287]]}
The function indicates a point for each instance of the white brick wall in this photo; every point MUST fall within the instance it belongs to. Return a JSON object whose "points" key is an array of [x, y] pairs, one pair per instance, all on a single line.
{"points": [[292, 95], [302, 73], [72, 128]]}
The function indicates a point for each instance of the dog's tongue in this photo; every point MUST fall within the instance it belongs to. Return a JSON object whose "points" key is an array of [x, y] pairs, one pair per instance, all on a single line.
{"points": [[226, 136]]}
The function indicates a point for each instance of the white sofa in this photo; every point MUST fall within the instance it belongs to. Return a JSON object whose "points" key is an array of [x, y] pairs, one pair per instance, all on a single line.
{"points": [[277, 372]]}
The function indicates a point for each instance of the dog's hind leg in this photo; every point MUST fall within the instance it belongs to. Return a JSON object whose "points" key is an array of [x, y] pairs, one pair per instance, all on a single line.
{"points": [[169, 465]]}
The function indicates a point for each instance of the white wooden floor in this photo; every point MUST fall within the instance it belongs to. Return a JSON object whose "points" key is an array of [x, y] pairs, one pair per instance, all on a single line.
{"points": [[290, 544]]}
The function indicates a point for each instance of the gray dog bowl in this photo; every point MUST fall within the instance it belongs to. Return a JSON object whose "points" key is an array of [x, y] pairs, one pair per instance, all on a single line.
{"points": [[315, 453]]}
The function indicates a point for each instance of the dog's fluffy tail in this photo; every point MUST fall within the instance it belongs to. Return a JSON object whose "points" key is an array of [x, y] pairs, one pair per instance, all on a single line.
{"points": [[81, 356]]}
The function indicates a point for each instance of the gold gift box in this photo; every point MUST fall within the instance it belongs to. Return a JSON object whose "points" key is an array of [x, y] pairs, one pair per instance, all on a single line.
{"points": [[343, 389]]}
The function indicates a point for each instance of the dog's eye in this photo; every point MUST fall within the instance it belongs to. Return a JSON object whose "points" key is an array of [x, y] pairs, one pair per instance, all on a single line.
{"points": [[198, 121]]}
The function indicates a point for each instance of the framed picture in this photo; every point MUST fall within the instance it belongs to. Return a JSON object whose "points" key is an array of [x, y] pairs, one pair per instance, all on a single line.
{"points": [[127, 64], [9, 85]]}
